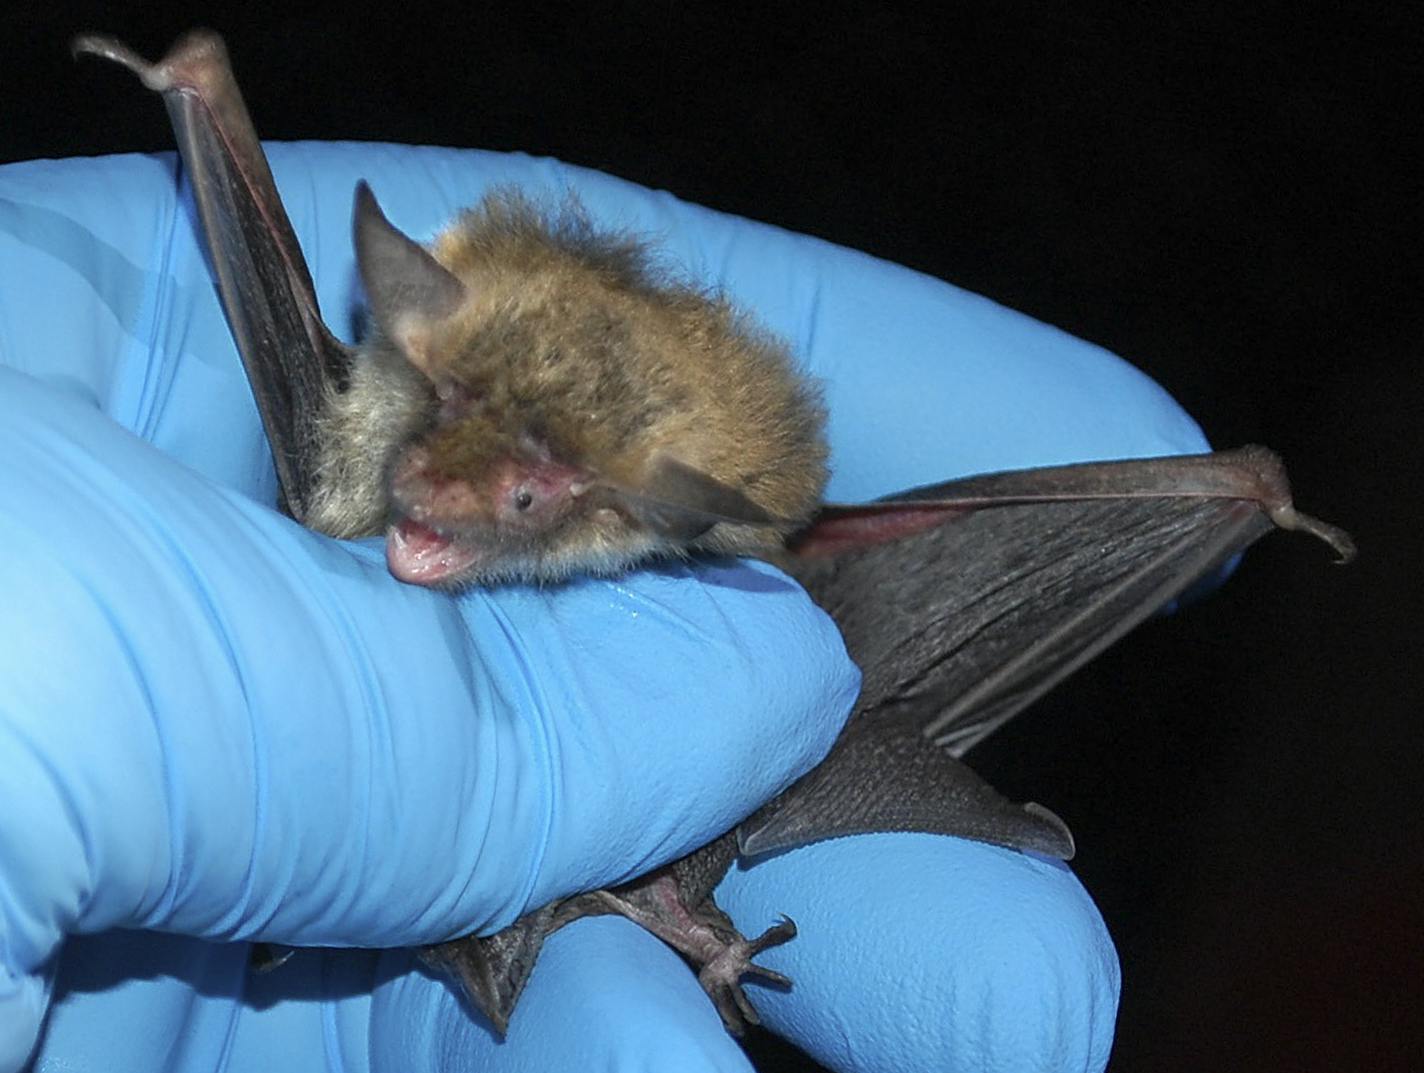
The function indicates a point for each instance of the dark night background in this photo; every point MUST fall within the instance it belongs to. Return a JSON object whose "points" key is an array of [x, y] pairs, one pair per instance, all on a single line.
{"points": [[1231, 200]]}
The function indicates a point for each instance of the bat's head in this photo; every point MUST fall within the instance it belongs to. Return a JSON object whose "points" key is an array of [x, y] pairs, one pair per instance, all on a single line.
{"points": [[575, 425]]}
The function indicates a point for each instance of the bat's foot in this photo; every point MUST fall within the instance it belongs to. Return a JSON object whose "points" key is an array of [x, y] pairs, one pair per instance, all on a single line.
{"points": [[701, 933], [721, 975]]}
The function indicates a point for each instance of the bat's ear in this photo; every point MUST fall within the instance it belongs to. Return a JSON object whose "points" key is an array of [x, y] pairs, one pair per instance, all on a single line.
{"points": [[409, 290], [681, 503]]}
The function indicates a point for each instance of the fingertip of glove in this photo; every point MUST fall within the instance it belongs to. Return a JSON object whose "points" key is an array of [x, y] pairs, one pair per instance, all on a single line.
{"points": [[1049, 992], [22, 1004]]}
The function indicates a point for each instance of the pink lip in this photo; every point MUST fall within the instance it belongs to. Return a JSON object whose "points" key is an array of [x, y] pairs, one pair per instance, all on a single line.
{"points": [[418, 555]]}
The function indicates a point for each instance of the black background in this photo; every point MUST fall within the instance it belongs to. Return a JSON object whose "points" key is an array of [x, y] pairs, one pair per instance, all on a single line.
{"points": [[1230, 200]]}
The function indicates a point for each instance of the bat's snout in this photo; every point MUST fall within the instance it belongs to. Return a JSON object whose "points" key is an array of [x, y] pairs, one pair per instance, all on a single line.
{"points": [[433, 498], [515, 494]]}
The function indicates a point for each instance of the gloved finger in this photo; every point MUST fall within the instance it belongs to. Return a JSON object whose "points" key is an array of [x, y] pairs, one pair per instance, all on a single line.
{"points": [[181, 991], [921, 952], [607, 996], [204, 1010]]}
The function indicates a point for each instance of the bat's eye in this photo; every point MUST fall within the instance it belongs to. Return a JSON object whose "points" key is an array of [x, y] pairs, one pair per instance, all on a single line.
{"points": [[531, 497]]}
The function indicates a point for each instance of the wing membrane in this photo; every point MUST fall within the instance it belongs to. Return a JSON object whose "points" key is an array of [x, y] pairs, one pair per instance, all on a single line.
{"points": [[290, 356], [964, 602]]}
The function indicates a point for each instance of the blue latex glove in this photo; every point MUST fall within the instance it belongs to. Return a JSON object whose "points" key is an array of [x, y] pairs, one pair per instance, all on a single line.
{"points": [[202, 731]]}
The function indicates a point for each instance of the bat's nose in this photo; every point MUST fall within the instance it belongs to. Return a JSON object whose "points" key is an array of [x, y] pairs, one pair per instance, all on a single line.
{"points": [[430, 497]]}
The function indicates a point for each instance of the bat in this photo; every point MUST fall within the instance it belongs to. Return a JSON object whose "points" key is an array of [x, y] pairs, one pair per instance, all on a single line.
{"points": [[534, 402]]}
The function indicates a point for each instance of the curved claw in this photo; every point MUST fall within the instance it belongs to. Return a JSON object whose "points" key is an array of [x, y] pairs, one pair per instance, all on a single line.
{"points": [[1341, 543], [193, 54], [110, 48]]}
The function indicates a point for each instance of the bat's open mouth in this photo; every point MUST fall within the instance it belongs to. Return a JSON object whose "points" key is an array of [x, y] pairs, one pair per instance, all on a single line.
{"points": [[420, 555]]}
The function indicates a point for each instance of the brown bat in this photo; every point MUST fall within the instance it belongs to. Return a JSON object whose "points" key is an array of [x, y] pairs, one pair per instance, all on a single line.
{"points": [[534, 402]]}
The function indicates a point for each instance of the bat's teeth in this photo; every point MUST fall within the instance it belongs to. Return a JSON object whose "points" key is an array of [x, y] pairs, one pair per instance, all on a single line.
{"points": [[578, 488], [420, 518], [422, 555]]}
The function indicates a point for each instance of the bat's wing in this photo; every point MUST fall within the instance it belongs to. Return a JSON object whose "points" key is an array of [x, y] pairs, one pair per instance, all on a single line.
{"points": [[963, 602], [889, 777], [291, 358]]}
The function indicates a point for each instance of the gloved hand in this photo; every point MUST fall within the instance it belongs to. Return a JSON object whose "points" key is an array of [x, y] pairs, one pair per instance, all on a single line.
{"points": [[218, 725]]}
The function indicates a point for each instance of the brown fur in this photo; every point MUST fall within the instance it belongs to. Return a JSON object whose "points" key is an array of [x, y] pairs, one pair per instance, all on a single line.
{"points": [[574, 327], [572, 338]]}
